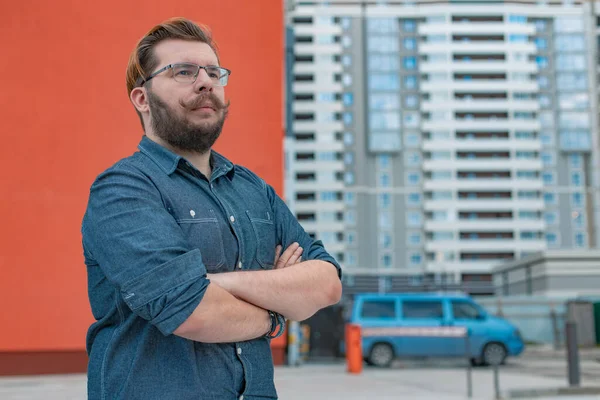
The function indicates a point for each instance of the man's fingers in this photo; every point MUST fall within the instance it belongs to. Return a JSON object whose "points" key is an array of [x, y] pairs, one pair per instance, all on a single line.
{"points": [[287, 254], [295, 257], [277, 253]]}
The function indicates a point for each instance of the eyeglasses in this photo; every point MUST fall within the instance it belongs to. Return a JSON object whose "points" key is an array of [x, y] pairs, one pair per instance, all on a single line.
{"points": [[188, 73]]}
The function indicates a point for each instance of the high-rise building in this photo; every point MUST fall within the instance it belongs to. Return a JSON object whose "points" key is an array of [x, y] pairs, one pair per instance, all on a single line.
{"points": [[433, 139]]}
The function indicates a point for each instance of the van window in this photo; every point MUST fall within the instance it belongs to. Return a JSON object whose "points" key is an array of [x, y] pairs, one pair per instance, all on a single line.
{"points": [[422, 309], [464, 310], [379, 309]]}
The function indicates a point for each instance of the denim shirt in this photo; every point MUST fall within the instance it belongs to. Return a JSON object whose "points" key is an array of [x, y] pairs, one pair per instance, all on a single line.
{"points": [[154, 227]]}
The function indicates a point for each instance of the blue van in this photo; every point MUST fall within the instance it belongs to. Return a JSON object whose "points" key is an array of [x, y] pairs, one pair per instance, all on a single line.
{"points": [[407, 325]]}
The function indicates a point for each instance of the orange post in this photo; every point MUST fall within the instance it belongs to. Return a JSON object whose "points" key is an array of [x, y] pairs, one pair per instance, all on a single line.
{"points": [[354, 356]]}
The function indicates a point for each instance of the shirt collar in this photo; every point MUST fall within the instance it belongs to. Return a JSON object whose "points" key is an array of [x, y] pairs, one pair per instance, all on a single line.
{"points": [[169, 161]]}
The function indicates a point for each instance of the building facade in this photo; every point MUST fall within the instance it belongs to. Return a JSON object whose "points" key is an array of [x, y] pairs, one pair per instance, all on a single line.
{"points": [[432, 140]]}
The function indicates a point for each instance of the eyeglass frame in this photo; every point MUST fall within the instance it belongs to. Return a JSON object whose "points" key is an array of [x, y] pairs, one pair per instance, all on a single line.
{"points": [[170, 66]]}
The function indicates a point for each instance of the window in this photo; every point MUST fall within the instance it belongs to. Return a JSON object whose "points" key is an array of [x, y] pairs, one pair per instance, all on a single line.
{"points": [[550, 218], [568, 24], [528, 235], [383, 44], [576, 178], [543, 81], [346, 41], [414, 199], [530, 215], [465, 310], [440, 175], [409, 63], [385, 200], [549, 198], [413, 158], [547, 158], [411, 101], [569, 43], [415, 259], [348, 158], [551, 239], [422, 309], [411, 120], [413, 218], [517, 19], [519, 135], [348, 118], [388, 120], [577, 199], [575, 160], [386, 260], [350, 198], [410, 43], [413, 178], [541, 43], [542, 62], [412, 140], [574, 120], [385, 240], [414, 238], [573, 101], [409, 25], [514, 38], [349, 178], [348, 99], [570, 62], [383, 62], [346, 60], [441, 195], [384, 82], [348, 138], [571, 81], [578, 220], [379, 309], [548, 178], [385, 180], [351, 238], [384, 101], [410, 82], [579, 239]]}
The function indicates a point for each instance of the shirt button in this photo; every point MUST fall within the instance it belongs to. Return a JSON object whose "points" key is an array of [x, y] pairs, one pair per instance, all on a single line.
{"points": [[242, 397], [212, 186], [232, 218], [239, 351], [240, 265]]}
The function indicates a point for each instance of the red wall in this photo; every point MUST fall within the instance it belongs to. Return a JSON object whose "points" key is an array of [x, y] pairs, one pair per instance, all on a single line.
{"points": [[65, 117]]}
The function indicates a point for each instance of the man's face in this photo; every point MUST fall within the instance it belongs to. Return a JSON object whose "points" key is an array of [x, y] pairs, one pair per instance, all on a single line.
{"points": [[187, 116]]}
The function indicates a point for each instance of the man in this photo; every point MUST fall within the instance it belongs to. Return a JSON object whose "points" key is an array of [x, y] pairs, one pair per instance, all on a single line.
{"points": [[180, 244]]}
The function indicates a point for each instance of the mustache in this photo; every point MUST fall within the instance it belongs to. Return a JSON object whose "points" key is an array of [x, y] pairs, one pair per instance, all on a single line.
{"points": [[205, 99]]}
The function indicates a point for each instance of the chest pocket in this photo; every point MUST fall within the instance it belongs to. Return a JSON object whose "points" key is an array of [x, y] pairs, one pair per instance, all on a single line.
{"points": [[266, 237], [203, 233]]}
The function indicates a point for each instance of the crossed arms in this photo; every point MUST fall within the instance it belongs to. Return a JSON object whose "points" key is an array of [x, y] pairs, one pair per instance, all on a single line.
{"points": [[235, 303]]}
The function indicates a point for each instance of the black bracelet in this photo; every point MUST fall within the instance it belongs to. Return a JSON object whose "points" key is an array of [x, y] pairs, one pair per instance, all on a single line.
{"points": [[277, 325]]}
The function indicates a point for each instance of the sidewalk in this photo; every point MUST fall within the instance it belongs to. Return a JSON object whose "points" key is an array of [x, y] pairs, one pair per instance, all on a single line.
{"points": [[327, 382]]}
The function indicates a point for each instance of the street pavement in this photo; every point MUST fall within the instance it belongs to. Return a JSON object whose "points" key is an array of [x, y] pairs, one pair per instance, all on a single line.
{"points": [[331, 381], [407, 379]]}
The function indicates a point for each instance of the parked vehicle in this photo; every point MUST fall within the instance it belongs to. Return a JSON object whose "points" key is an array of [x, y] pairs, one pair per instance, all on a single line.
{"points": [[491, 339]]}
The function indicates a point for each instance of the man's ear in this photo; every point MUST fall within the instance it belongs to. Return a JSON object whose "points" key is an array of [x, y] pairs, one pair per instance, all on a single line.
{"points": [[139, 98]]}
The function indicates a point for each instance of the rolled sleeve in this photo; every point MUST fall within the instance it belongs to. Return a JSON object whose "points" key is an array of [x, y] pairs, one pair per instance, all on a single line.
{"points": [[289, 231], [141, 249], [168, 294]]}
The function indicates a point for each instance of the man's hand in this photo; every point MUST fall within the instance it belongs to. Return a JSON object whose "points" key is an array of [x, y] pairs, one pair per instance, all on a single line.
{"points": [[292, 255]]}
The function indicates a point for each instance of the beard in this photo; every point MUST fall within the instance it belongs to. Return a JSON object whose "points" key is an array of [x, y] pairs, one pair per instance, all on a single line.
{"points": [[180, 132]]}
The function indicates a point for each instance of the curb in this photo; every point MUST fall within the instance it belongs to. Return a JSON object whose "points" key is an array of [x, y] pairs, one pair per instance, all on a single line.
{"points": [[550, 392]]}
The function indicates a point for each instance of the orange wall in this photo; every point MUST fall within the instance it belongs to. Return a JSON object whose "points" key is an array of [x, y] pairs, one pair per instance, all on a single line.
{"points": [[65, 116]]}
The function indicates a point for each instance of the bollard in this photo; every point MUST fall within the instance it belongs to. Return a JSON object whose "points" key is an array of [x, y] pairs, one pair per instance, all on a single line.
{"points": [[469, 366], [354, 356], [555, 329], [497, 381], [572, 354]]}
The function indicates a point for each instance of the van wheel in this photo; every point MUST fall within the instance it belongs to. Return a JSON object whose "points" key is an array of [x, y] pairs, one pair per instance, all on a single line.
{"points": [[382, 355], [493, 354]]}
